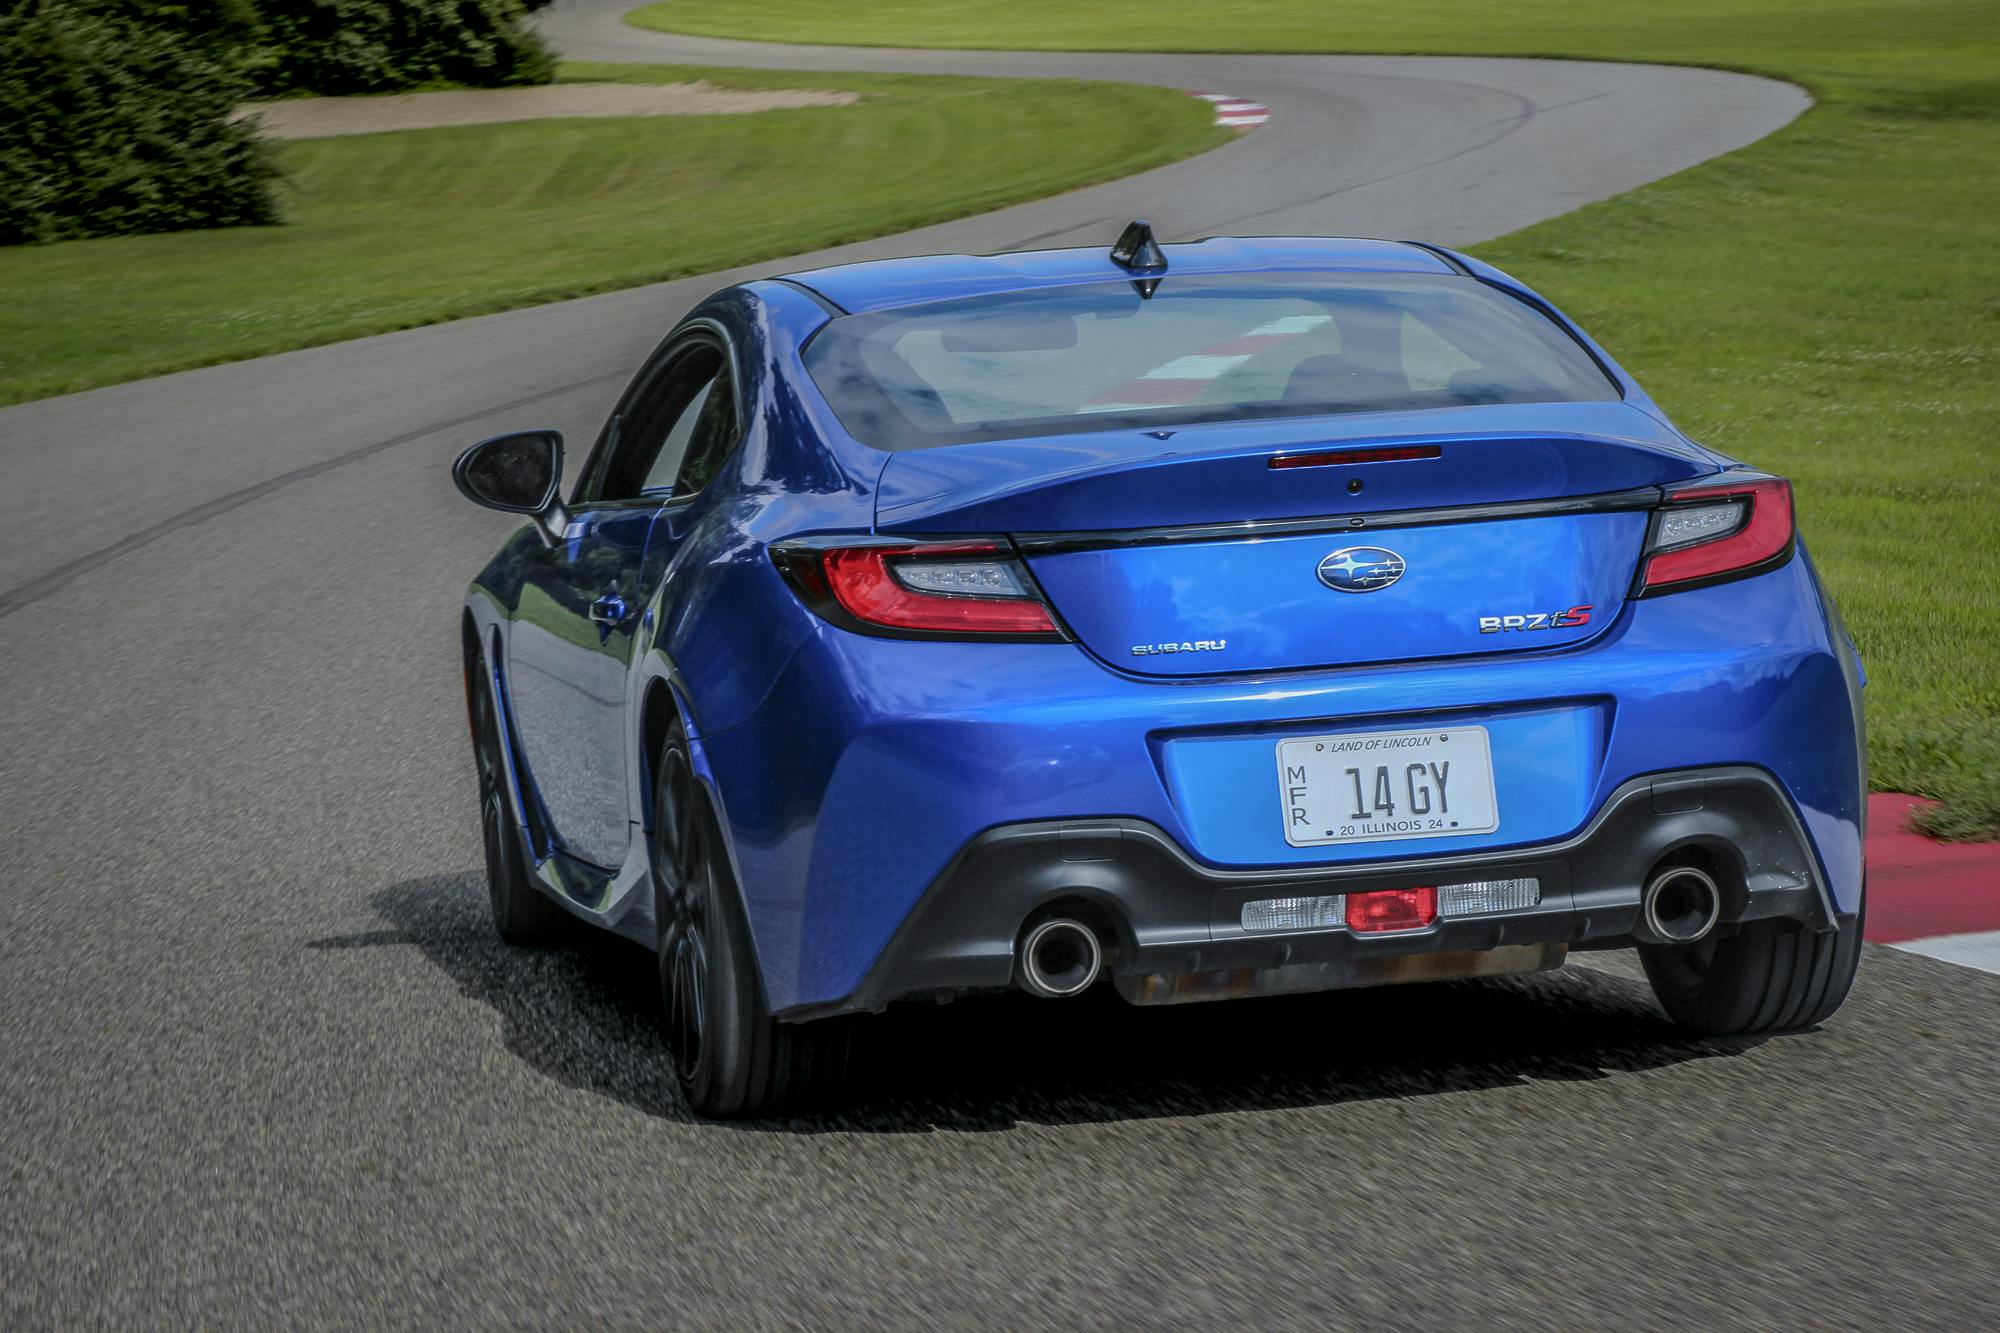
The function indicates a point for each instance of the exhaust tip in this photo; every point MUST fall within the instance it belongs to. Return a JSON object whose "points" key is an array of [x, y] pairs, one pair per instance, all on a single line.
{"points": [[1060, 958], [1682, 904]]}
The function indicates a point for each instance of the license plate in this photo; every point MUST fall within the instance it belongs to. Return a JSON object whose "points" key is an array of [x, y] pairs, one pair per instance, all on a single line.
{"points": [[1372, 786]]}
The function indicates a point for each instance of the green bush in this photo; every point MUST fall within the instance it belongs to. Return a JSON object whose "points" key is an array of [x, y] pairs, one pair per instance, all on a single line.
{"points": [[214, 25], [365, 46], [115, 126]]}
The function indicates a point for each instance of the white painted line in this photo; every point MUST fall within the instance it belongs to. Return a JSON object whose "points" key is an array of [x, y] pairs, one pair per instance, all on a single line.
{"points": [[1289, 324], [1241, 120], [1195, 367], [1980, 950]]}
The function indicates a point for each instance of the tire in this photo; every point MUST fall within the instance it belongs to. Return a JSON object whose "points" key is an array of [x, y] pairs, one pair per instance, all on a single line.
{"points": [[731, 1057], [522, 914], [1765, 978]]}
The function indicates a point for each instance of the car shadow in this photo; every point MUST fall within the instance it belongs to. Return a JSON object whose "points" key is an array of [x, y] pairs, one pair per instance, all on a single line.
{"points": [[583, 1013]]}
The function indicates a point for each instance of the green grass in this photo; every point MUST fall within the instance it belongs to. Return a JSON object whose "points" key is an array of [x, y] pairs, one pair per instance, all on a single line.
{"points": [[386, 231], [1825, 302]]}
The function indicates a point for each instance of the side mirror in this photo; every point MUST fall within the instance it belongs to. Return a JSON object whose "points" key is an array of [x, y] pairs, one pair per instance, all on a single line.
{"points": [[519, 473]]}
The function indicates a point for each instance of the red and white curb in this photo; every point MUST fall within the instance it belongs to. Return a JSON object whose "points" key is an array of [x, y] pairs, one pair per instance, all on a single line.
{"points": [[1236, 112], [1939, 899]]}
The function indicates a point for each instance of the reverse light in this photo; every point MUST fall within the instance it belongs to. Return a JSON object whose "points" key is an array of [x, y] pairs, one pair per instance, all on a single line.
{"points": [[1489, 895], [975, 589], [1710, 533], [1321, 913]]}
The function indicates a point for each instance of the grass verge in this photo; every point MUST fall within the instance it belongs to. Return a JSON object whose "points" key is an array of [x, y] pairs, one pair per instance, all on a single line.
{"points": [[388, 231], [1825, 302]]}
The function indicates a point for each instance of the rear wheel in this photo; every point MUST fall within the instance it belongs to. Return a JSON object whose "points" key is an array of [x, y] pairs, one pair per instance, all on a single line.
{"points": [[731, 1056], [1768, 977], [521, 914]]}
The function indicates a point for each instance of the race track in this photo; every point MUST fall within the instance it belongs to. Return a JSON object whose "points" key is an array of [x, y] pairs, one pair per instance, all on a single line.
{"points": [[264, 1063]]}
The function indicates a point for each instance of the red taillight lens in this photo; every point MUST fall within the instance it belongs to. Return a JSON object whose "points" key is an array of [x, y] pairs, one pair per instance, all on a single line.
{"points": [[957, 590], [1714, 532], [1391, 909]]}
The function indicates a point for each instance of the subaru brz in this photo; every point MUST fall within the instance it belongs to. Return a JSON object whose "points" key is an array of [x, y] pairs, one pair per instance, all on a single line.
{"points": [[1203, 621]]}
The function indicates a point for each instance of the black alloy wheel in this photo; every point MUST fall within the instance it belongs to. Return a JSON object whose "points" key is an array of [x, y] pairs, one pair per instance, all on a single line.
{"points": [[731, 1056]]}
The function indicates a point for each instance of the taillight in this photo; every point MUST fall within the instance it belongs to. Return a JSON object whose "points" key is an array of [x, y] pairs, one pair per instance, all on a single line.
{"points": [[974, 589], [1713, 532]]}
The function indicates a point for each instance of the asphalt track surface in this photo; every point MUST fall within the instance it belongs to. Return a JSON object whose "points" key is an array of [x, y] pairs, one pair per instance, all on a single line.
{"points": [[263, 1063]]}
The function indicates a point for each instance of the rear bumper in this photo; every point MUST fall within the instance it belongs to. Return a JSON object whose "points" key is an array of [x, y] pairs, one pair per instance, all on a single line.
{"points": [[1169, 917], [876, 770]]}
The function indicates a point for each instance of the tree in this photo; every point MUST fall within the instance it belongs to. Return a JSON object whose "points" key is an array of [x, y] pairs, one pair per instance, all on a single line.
{"points": [[118, 125]]}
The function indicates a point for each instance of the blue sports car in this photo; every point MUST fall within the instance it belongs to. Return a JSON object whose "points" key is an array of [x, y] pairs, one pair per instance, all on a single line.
{"points": [[1209, 620]]}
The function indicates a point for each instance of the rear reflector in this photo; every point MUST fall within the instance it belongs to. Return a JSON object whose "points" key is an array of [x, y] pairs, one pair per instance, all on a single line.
{"points": [[1340, 457], [1391, 909]]}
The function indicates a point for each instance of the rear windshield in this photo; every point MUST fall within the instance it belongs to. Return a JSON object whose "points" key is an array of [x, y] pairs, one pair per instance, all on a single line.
{"points": [[1203, 348]]}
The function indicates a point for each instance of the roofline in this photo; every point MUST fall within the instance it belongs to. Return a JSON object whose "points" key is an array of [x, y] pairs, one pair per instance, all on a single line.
{"points": [[881, 284]]}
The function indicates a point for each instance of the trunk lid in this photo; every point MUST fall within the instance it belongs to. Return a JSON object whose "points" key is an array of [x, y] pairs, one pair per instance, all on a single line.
{"points": [[1263, 604], [1196, 556]]}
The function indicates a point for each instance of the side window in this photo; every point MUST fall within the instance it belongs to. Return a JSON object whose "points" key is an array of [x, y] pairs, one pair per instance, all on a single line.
{"points": [[673, 447], [700, 440], [675, 436]]}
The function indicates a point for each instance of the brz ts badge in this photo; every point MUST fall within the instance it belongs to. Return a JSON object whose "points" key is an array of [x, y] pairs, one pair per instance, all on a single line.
{"points": [[1576, 615], [1360, 569], [1184, 646]]}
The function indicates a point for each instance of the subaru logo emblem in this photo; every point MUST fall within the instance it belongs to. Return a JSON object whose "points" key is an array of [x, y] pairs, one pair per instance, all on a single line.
{"points": [[1360, 569]]}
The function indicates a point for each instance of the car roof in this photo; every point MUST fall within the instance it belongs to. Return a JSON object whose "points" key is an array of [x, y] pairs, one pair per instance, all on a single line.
{"points": [[884, 283]]}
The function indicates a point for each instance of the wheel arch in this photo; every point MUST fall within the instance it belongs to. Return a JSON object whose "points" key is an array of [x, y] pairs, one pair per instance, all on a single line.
{"points": [[470, 657], [659, 709], [664, 701]]}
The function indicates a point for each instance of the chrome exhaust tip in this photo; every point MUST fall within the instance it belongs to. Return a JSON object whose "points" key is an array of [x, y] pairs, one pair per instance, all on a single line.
{"points": [[1681, 904], [1059, 958]]}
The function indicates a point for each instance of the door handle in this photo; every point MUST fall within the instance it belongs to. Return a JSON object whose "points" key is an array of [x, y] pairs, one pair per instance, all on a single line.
{"points": [[607, 610]]}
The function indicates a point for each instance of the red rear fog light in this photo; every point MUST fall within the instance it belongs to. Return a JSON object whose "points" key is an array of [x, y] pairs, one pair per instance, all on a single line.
{"points": [[1391, 909]]}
